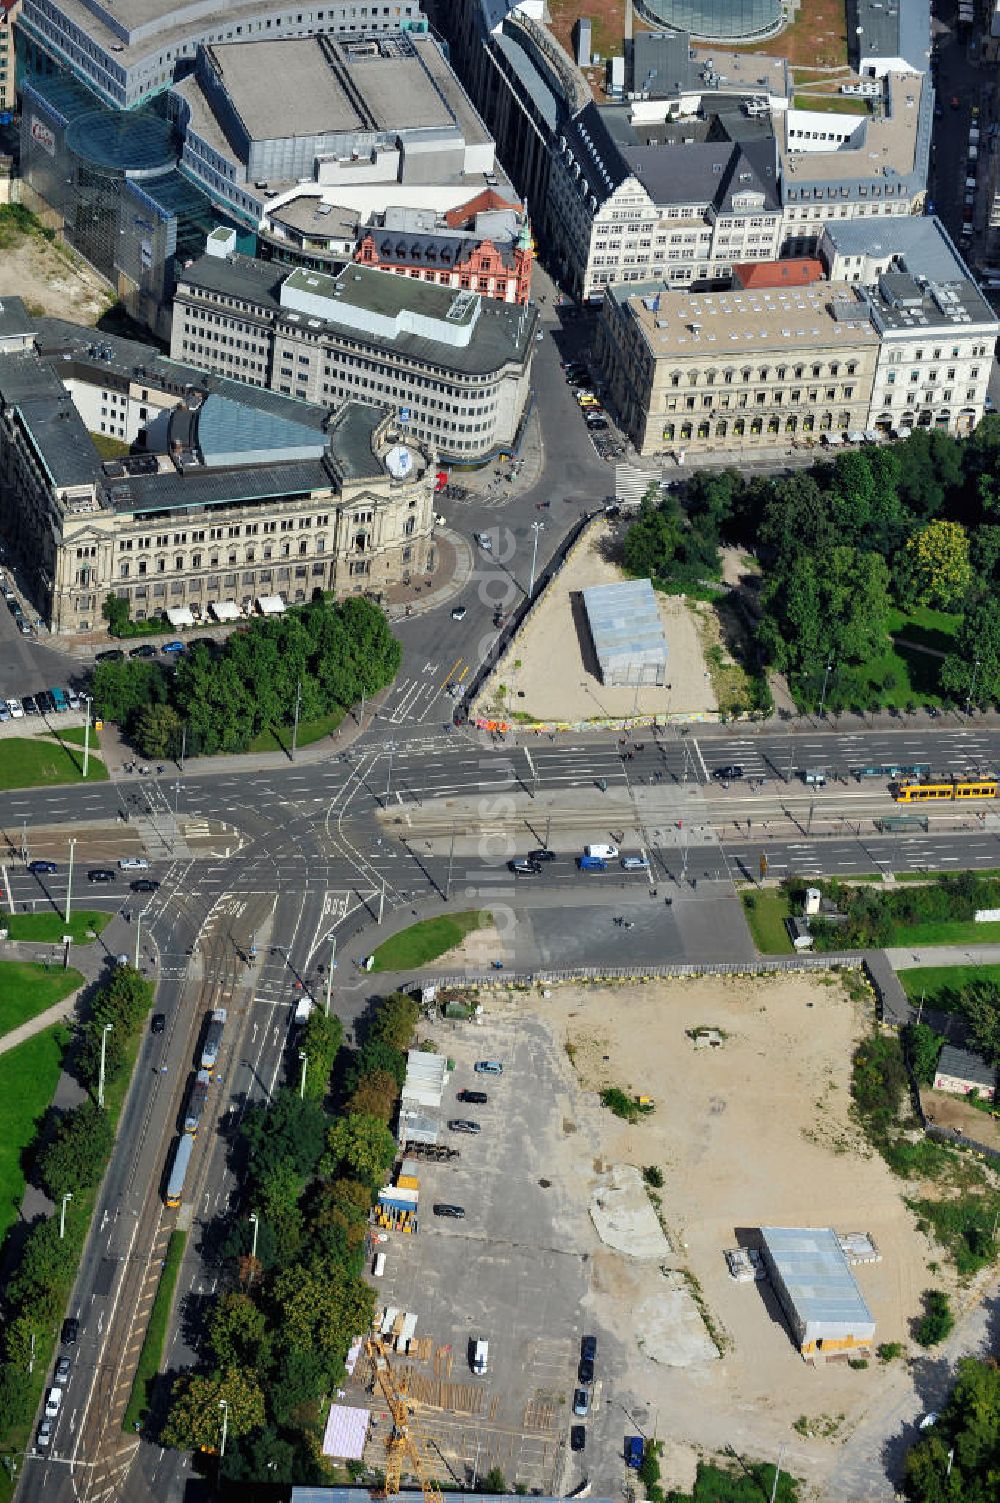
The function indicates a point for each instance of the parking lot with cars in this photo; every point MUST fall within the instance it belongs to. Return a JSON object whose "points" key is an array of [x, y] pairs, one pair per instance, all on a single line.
{"points": [[600, 428], [499, 1274]]}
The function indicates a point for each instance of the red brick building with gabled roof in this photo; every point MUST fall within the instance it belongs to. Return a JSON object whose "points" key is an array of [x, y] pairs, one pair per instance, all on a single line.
{"points": [[456, 255]]}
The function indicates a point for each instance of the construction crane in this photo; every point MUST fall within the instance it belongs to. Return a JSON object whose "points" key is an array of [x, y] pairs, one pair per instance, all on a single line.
{"points": [[404, 1442]]}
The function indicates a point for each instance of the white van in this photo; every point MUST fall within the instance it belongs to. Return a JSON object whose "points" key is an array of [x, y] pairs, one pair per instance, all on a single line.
{"points": [[378, 1267], [480, 1358], [605, 852]]}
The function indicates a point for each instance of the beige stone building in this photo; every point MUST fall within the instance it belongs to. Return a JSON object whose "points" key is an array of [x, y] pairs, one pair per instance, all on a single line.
{"points": [[728, 369], [227, 498]]}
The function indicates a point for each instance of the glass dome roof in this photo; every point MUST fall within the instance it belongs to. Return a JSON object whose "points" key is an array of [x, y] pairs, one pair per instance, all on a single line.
{"points": [[719, 20]]}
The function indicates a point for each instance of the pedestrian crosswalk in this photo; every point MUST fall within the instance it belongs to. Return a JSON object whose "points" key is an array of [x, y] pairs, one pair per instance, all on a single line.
{"points": [[632, 483], [418, 696]]}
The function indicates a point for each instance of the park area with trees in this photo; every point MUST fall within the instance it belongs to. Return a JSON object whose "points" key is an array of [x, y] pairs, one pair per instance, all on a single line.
{"points": [[222, 697], [291, 1291], [880, 568]]}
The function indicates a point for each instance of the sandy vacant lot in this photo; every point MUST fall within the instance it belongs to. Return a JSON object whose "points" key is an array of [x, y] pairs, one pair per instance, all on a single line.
{"points": [[47, 280], [753, 1132], [558, 675]]}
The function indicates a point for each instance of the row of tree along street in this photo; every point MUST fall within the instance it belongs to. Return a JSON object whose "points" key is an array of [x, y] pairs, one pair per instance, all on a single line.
{"points": [[73, 1153], [292, 1295], [850, 548], [320, 659]]}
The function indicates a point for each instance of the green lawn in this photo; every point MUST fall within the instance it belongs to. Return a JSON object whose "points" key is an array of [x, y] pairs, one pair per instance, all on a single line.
{"points": [[945, 932], [915, 676], [75, 734], [151, 1356], [49, 928], [109, 447], [833, 104], [28, 1076], [926, 627], [423, 942], [766, 912], [26, 989], [940, 985], [39, 764], [309, 731]]}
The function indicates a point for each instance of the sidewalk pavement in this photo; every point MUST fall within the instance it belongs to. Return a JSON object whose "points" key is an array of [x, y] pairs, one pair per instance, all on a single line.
{"points": [[904, 959], [56, 1014]]}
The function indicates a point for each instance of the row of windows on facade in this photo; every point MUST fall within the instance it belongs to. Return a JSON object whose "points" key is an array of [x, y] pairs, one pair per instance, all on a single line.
{"points": [[763, 373], [763, 398]]}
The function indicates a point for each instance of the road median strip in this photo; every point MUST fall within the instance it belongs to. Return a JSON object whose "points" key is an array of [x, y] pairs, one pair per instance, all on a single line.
{"points": [[151, 1352]]}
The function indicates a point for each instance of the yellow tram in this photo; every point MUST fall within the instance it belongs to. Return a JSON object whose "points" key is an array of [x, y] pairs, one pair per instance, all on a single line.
{"points": [[956, 788]]}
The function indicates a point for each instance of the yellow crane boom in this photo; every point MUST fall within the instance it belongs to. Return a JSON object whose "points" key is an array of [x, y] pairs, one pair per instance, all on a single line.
{"points": [[404, 1442]]}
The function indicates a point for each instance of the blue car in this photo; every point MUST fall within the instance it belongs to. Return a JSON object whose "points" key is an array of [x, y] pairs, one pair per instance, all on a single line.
{"points": [[42, 868], [172, 647]]}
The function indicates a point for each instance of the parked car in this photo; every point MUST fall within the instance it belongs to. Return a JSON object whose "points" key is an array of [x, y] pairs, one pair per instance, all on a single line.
{"points": [[110, 655], [16, 709], [456, 1213], [30, 704], [100, 874], [581, 1402], [144, 650], [46, 704], [174, 647], [473, 1098], [133, 864], [70, 1331], [25, 628], [42, 868], [588, 1356], [462, 1124], [44, 1439], [578, 1438], [4, 711], [62, 1369], [53, 1402], [74, 699], [488, 1067]]}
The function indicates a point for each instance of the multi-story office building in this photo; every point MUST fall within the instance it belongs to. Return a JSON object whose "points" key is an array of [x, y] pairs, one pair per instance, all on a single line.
{"points": [[454, 365], [10, 10], [127, 54], [900, 338], [231, 493], [684, 202], [708, 370]]}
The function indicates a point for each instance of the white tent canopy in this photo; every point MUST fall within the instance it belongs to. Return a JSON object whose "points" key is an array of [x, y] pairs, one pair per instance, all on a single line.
{"points": [[225, 610], [270, 605], [179, 615]]}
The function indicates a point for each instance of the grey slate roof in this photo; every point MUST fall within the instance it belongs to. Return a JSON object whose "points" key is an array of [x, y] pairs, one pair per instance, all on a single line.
{"points": [[920, 242], [594, 147], [712, 170], [546, 101], [892, 28], [351, 441], [439, 252], [238, 276], [964, 1065]]}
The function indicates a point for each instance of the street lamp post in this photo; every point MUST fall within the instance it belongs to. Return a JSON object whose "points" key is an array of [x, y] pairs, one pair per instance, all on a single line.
{"points": [[295, 722], [303, 1056], [536, 528], [329, 974], [69, 880], [138, 935], [224, 1406], [88, 701], [822, 698], [255, 1224], [62, 1214], [972, 687], [104, 1050]]}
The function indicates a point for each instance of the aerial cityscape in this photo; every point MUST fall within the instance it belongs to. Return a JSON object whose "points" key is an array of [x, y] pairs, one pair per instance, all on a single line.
{"points": [[500, 751]]}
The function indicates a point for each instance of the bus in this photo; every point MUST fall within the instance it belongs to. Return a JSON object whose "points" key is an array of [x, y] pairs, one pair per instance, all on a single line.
{"points": [[957, 788], [197, 1101], [213, 1040], [179, 1169]]}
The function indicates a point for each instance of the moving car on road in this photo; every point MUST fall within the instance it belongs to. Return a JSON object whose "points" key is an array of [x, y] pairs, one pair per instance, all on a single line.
{"points": [[100, 874]]}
